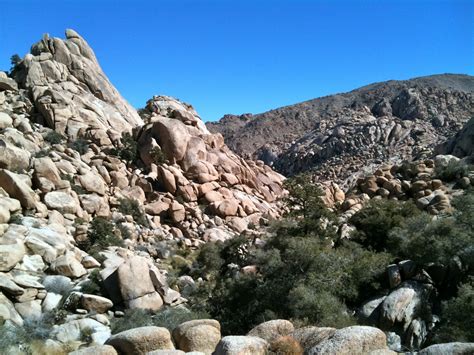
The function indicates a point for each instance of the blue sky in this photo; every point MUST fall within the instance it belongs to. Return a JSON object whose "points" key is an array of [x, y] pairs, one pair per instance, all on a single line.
{"points": [[251, 55]]}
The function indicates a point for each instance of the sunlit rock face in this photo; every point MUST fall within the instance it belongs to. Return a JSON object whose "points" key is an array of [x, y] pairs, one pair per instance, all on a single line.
{"points": [[70, 91]]}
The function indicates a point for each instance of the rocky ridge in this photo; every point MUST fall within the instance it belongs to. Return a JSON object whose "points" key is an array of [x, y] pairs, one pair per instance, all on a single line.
{"points": [[338, 135]]}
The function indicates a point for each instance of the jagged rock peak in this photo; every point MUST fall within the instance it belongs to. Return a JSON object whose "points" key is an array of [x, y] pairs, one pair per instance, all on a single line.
{"points": [[70, 91]]}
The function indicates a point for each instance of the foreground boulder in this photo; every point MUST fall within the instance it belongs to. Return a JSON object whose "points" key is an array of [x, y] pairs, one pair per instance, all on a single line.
{"points": [[241, 345], [352, 340], [311, 336], [198, 335], [449, 348], [96, 350], [136, 285], [140, 341], [272, 329]]}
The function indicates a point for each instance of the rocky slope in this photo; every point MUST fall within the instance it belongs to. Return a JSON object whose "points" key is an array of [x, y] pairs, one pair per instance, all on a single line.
{"points": [[62, 125], [98, 206], [337, 135]]}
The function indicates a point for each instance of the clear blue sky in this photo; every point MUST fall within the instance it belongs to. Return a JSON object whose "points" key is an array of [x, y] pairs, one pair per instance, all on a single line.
{"points": [[251, 55]]}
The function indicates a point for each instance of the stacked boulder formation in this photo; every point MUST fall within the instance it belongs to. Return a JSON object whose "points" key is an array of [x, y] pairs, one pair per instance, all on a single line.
{"points": [[60, 122]]}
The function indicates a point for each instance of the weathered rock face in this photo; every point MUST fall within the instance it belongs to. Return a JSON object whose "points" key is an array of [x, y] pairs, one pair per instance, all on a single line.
{"points": [[337, 135], [141, 340], [201, 335], [272, 330], [200, 166], [462, 144], [70, 90], [241, 345], [350, 340]]}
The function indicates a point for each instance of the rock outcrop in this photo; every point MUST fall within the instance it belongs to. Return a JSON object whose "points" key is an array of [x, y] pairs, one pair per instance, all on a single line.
{"points": [[71, 92], [462, 144]]}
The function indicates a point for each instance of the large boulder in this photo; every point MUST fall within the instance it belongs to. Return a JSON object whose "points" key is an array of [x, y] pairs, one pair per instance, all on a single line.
{"points": [[404, 303], [140, 341], [45, 169], [351, 340], [198, 335], [61, 201], [8, 311], [272, 329], [68, 265], [18, 187], [311, 336], [11, 254], [241, 345], [13, 158], [74, 331], [456, 348], [136, 286], [97, 304], [462, 144], [7, 83]]}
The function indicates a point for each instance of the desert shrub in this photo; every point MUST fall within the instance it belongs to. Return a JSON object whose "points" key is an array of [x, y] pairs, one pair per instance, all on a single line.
{"points": [[94, 284], [286, 345], [307, 209], [23, 337], [453, 171], [77, 188], [129, 206], [53, 137], [80, 145], [59, 286], [157, 155], [168, 318], [300, 277], [124, 231], [424, 239], [101, 235], [458, 317], [128, 150], [377, 219], [16, 219], [42, 153]]}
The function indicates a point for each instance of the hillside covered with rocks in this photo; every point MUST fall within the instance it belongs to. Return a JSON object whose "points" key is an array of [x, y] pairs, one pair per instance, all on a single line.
{"points": [[338, 135], [143, 232]]}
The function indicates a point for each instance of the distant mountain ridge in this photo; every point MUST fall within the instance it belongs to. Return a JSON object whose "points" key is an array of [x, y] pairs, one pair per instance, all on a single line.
{"points": [[336, 135]]}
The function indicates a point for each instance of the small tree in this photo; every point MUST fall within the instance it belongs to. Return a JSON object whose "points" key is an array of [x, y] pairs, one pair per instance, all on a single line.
{"points": [[15, 59], [306, 206]]}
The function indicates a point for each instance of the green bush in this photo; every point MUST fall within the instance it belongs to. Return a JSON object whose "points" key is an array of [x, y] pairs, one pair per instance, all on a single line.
{"points": [[15, 60], [425, 240], [24, 337], [299, 277], [94, 284], [100, 235], [80, 145], [128, 150], [453, 171], [53, 137], [458, 317], [377, 219], [131, 207], [157, 155]]}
